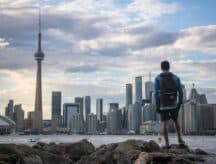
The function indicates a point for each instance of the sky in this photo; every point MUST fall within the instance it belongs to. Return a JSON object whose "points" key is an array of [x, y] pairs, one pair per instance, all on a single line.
{"points": [[95, 47]]}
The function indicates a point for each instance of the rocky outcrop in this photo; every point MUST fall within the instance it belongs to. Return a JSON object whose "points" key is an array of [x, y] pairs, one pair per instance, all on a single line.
{"points": [[84, 152]]}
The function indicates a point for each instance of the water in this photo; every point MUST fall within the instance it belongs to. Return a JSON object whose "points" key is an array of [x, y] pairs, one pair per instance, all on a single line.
{"points": [[207, 143]]}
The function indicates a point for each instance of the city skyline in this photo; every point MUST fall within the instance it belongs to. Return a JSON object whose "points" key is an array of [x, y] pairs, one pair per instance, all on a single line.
{"points": [[97, 50]]}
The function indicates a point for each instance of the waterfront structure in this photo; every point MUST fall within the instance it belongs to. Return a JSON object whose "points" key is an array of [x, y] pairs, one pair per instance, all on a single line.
{"points": [[150, 127], [114, 117], [99, 109], [39, 56], [134, 118], [129, 95], [138, 89], [149, 88], [56, 109], [19, 117], [92, 123], [7, 125], [69, 109], [10, 109], [87, 106]]}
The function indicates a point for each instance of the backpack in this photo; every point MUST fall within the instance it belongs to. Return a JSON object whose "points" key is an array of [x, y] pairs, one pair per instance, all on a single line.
{"points": [[168, 92]]}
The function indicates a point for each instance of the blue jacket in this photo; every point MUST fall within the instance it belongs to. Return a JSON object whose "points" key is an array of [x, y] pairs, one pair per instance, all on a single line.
{"points": [[157, 89]]}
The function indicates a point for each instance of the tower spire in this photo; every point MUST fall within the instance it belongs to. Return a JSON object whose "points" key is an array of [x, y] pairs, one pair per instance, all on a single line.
{"points": [[39, 29]]}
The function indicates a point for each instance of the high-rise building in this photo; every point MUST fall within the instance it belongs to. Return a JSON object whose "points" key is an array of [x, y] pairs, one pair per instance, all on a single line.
{"points": [[129, 95], [10, 109], [80, 101], [149, 88], [87, 106], [92, 123], [190, 115], [99, 109], [196, 97], [69, 109], [56, 109], [39, 56], [206, 117], [138, 89], [134, 117], [114, 117], [75, 124], [19, 117]]}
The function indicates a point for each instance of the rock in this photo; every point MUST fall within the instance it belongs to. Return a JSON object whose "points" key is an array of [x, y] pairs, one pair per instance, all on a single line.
{"points": [[49, 158], [151, 146], [200, 152], [167, 158], [31, 159]]}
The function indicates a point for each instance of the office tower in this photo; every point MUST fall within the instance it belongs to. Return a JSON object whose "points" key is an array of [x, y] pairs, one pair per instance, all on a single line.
{"points": [[149, 88], [19, 117], [69, 109], [92, 123], [99, 109], [75, 124], [138, 89], [87, 106], [206, 117], [114, 117], [190, 115], [39, 56], [129, 95], [56, 109], [124, 118], [134, 117], [10, 109], [80, 101]]}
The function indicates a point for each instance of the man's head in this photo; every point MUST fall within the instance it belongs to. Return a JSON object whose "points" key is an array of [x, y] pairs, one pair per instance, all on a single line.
{"points": [[165, 66]]}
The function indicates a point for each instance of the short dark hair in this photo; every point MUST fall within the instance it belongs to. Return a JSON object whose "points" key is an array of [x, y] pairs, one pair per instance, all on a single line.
{"points": [[165, 65]]}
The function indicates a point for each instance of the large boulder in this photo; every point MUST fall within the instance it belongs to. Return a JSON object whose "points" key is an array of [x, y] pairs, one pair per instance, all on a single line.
{"points": [[31, 159], [167, 158]]}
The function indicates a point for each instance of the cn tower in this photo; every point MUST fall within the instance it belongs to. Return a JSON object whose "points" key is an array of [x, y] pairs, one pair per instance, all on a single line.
{"points": [[39, 56]]}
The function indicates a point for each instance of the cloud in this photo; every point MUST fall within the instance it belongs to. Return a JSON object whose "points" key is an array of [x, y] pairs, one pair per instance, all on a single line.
{"points": [[82, 69], [3, 43], [201, 38]]}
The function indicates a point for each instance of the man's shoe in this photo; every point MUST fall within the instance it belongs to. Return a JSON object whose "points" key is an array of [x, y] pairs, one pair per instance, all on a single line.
{"points": [[181, 142]]}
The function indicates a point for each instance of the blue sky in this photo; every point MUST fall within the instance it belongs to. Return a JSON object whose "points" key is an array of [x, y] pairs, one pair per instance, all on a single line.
{"points": [[95, 47]]}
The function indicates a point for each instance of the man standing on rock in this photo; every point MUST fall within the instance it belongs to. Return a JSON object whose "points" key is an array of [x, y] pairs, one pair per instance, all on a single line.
{"points": [[169, 98]]}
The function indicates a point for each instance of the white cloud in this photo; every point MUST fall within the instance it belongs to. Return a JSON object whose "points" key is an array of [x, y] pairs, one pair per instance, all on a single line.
{"points": [[3, 43]]}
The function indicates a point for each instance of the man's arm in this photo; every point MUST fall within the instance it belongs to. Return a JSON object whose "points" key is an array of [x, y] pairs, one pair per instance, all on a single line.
{"points": [[180, 92], [156, 94]]}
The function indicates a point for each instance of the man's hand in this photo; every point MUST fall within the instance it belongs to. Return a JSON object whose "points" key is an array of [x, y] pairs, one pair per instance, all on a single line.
{"points": [[158, 110], [178, 106]]}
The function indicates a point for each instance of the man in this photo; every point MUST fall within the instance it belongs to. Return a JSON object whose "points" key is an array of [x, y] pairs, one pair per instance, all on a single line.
{"points": [[169, 98]]}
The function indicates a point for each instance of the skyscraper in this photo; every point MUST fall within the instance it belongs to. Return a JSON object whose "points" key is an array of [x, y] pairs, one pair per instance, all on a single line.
{"points": [[129, 95], [39, 56], [87, 106], [19, 117], [99, 109], [10, 109], [69, 109], [138, 87], [80, 101], [149, 88], [92, 123], [56, 109]]}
